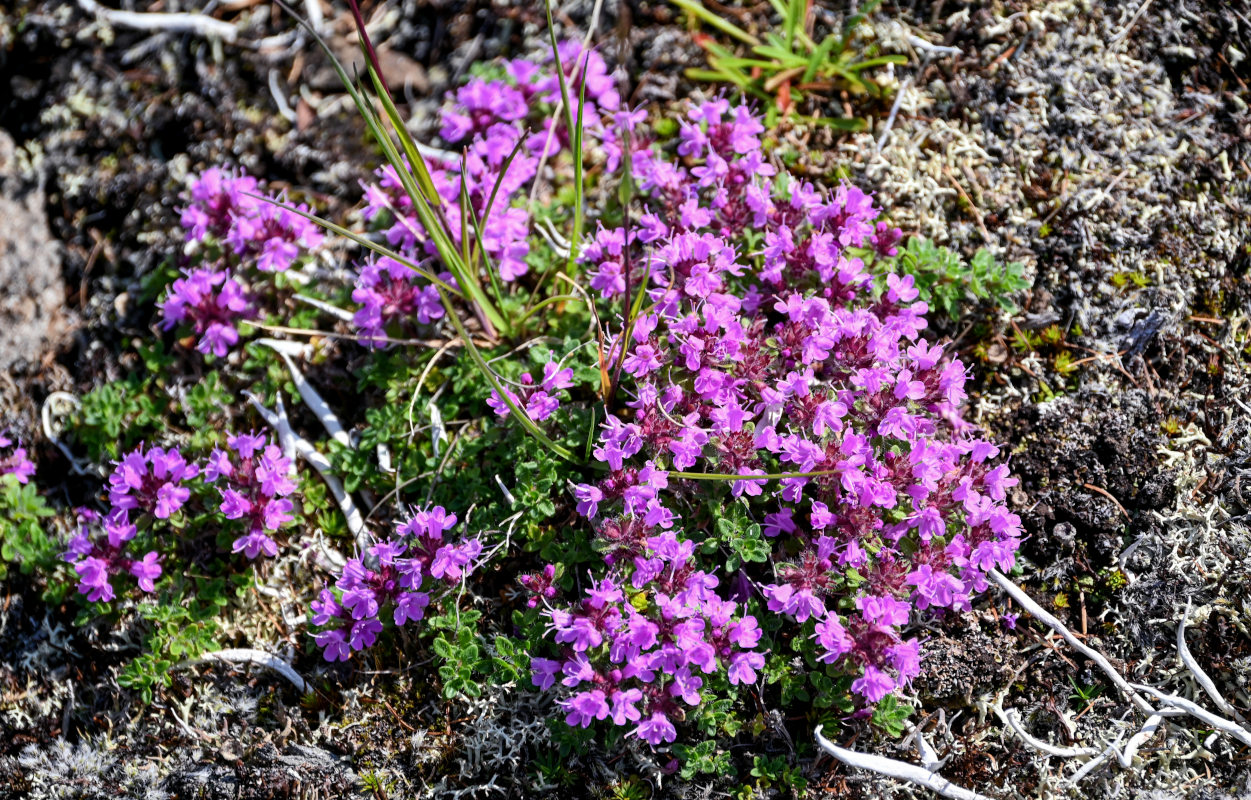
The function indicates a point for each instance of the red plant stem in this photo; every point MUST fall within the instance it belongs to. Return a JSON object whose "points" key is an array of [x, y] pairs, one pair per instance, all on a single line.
{"points": [[367, 45]]}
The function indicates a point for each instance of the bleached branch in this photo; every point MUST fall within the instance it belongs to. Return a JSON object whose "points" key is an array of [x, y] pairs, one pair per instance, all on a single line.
{"points": [[1037, 611], [261, 659], [897, 769], [199, 24]]}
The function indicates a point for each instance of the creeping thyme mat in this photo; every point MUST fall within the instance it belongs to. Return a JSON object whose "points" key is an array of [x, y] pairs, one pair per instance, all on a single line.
{"points": [[596, 453]]}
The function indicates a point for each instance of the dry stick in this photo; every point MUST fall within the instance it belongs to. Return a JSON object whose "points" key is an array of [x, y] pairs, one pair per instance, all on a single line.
{"points": [[306, 451], [1094, 763], [329, 308], [1200, 713], [929, 758], [199, 24], [1200, 675], [259, 658], [1126, 757], [894, 111], [1037, 611], [1108, 495], [308, 393], [1009, 719], [1132, 22], [897, 769]]}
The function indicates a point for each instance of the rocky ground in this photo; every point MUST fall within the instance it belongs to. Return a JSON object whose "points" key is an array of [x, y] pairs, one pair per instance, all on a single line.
{"points": [[1105, 145]]}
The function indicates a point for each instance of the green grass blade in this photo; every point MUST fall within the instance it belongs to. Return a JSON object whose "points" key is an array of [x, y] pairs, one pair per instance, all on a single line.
{"points": [[548, 301], [416, 160], [794, 18], [574, 126], [471, 216], [434, 227], [819, 57], [579, 177], [696, 9], [894, 58], [853, 124], [362, 241], [485, 368]]}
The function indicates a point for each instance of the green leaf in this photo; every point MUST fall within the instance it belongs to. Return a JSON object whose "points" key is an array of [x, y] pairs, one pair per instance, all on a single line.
{"points": [[891, 716], [696, 9]]}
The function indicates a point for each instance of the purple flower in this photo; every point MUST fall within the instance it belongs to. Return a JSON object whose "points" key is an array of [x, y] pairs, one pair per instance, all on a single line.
{"points": [[334, 645], [212, 302], [253, 478], [93, 579], [873, 685], [743, 667], [392, 295], [254, 544], [411, 607], [364, 633], [151, 481], [453, 561], [146, 571], [585, 707], [544, 672], [656, 729], [15, 462]]}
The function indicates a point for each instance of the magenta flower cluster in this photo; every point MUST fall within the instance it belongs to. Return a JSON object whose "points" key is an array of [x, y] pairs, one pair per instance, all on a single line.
{"points": [[389, 296], [254, 480], [765, 357], [14, 461], [638, 668], [225, 213], [228, 210], [145, 484], [538, 400], [390, 583], [487, 121], [98, 552], [211, 301]]}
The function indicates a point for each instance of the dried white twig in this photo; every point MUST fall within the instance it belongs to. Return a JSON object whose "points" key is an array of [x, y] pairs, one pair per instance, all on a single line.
{"points": [[308, 393], [1035, 610], [894, 111], [1009, 718], [316, 19], [897, 769], [310, 454], [329, 308], [259, 658], [280, 99], [929, 757], [199, 24], [558, 243], [46, 413], [1094, 763], [1200, 713], [1126, 757], [930, 47], [1200, 676]]}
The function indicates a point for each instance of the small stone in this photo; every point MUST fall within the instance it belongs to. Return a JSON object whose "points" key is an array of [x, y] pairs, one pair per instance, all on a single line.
{"points": [[31, 317]]}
